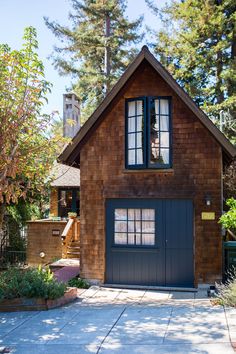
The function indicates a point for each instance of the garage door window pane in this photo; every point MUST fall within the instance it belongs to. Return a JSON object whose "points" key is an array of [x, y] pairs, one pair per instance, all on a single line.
{"points": [[120, 239], [148, 239], [134, 214], [138, 239], [120, 226], [134, 227], [130, 226], [121, 214], [148, 226], [148, 214], [131, 239]]}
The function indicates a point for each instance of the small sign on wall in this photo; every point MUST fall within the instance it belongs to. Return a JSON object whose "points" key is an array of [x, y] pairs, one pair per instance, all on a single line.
{"points": [[55, 232], [208, 215]]}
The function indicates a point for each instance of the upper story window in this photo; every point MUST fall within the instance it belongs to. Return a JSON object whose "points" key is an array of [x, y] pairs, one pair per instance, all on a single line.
{"points": [[148, 140]]}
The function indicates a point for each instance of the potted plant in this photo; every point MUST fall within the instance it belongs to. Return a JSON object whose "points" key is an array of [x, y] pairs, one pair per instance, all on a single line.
{"points": [[72, 215]]}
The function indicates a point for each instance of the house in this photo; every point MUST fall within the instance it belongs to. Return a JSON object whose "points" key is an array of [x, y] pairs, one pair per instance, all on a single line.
{"points": [[65, 186], [151, 167], [64, 191]]}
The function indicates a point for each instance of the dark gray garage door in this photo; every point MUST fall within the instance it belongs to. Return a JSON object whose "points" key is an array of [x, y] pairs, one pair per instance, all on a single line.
{"points": [[149, 242]]}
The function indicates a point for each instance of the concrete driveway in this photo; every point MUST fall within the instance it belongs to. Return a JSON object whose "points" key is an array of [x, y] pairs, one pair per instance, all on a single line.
{"points": [[105, 320]]}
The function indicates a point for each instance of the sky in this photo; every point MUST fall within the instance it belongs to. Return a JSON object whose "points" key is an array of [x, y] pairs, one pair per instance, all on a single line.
{"points": [[15, 15]]}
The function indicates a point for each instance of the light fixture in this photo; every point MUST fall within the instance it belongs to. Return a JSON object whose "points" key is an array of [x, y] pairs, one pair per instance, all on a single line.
{"points": [[208, 200], [42, 254]]}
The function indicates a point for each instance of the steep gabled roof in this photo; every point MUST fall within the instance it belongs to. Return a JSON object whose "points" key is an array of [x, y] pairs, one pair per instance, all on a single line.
{"points": [[69, 154]]}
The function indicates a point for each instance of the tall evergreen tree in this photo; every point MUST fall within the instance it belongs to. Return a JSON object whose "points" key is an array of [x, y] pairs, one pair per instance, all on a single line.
{"points": [[97, 48], [198, 45]]}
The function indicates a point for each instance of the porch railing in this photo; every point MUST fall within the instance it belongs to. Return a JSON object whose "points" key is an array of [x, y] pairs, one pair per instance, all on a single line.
{"points": [[69, 234]]}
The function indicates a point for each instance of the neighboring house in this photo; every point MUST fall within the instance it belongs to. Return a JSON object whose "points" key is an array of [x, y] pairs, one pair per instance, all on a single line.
{"points": [[57, 237], [65, 187], [65, 191], [151, 167]]}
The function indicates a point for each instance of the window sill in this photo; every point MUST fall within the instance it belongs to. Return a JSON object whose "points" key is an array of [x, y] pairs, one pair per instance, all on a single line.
{"points": [[150, 170]]}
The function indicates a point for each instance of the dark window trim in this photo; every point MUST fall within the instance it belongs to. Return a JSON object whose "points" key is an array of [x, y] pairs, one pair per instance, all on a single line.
{"points": [[146, 137], [138, 166], [74, 191], [159, 165]]}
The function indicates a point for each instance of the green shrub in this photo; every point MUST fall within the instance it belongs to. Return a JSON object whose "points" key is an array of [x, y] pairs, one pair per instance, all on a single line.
{"points": [[228, 220], [78, 283], [227, 292], [30, 283]]}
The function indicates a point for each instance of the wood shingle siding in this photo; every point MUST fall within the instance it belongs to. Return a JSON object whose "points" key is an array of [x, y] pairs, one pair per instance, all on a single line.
{"points": [[198, 151], [196, 172]]}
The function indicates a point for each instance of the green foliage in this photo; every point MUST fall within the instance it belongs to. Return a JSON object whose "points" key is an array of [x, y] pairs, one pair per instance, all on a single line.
{"points": [[228, 220], [78, 283], [16, 241], [24, 211], [28, 148], [30, 283], [227, 292], [96, 49], [229, 180], [198, 46]]}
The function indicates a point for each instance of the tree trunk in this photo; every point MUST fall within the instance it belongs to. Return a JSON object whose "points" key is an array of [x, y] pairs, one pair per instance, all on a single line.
{"points": [[2, 233], [107, 61], [219, 68], [231, 84]]}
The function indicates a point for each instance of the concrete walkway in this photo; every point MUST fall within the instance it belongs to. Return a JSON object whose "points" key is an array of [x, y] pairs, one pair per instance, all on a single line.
{"points": [[108, 321]]}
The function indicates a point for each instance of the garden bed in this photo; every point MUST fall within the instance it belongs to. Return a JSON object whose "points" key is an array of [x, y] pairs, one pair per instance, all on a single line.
{"points": [[37, 304]]}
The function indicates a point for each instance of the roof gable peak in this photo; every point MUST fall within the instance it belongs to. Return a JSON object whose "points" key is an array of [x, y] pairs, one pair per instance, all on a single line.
{"points": [[69, 154]]}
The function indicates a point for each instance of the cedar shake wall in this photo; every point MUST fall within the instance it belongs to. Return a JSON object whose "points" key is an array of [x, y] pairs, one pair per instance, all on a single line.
{"points": [[40, 239], [54, 202], [196, 172]]}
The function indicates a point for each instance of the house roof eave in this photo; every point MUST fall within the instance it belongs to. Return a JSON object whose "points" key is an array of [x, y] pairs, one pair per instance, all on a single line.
{"points": [[69, 151]]}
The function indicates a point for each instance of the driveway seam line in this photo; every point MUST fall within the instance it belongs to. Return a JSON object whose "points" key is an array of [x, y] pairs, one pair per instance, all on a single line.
{"points": [[165, 335], [61, 328], [141, 298], [114, 324], [228, 327], [27, 319]]}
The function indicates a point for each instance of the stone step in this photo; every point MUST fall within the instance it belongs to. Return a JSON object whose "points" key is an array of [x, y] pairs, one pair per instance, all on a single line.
{"points": [[74, 248], [75, 244]]}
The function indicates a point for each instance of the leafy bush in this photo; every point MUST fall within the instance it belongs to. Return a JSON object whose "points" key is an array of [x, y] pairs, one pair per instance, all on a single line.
{"points": [[228, 220], [227, 292], [78, 283], [30, 283]]}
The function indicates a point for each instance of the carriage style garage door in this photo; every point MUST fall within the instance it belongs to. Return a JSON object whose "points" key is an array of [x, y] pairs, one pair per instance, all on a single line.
{"points": [[149, 242]]}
